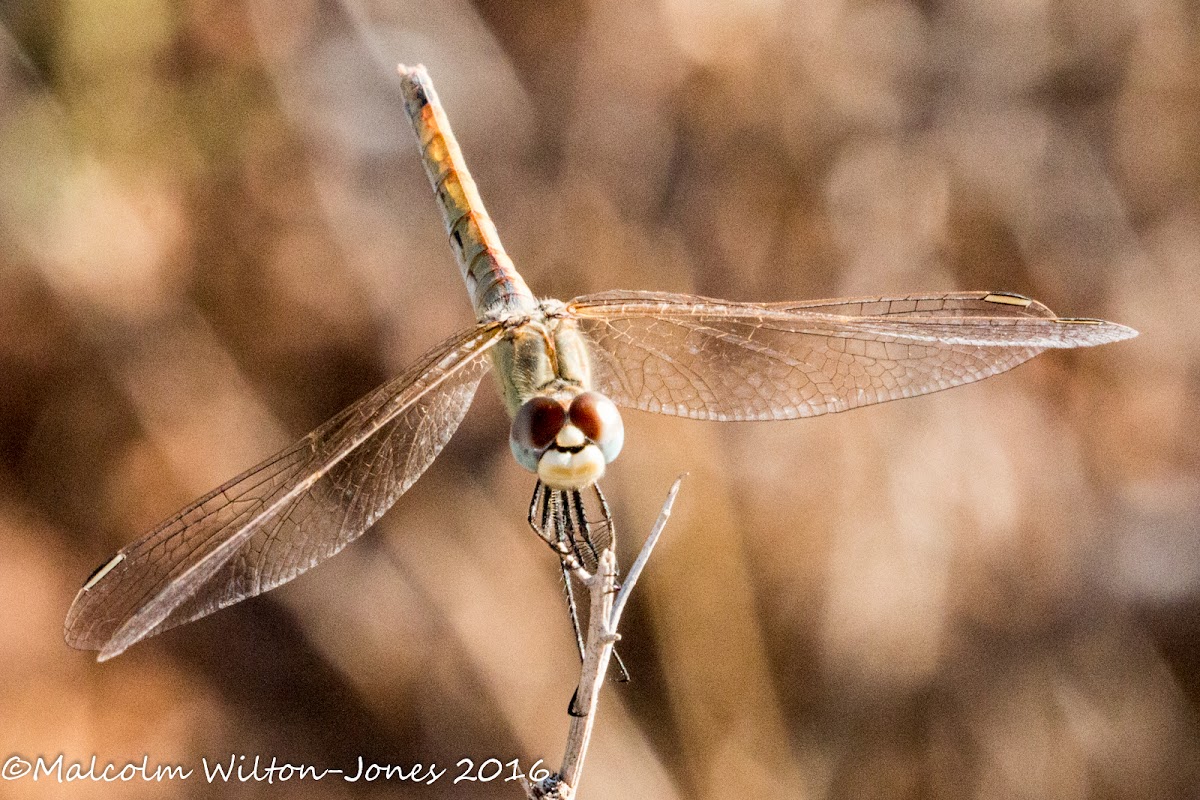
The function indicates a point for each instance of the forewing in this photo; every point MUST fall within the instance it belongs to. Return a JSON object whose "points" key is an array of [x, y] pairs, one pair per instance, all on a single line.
{"points": [[714, 359], [280, 518]]}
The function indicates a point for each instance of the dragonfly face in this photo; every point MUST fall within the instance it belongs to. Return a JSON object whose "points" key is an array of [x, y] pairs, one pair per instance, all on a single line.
{"points": [[567, 440]]}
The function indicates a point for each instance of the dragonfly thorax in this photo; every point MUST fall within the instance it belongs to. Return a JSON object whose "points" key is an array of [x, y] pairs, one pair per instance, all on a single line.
{"points": [[539, 355]]}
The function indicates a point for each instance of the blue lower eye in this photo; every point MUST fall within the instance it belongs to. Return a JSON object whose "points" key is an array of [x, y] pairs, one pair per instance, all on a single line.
{"points": [[525, 456], [610, 446]]}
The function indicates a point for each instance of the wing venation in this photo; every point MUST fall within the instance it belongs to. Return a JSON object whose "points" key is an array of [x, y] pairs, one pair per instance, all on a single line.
{"points": [[714, 359], [290, 512]]}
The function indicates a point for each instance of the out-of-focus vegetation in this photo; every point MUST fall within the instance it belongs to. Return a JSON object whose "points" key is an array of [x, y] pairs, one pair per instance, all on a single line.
{"points": [[215, 233]]}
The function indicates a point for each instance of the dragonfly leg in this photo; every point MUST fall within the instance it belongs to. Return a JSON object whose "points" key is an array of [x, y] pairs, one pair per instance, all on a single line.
{"points": [[584, 527], [572, 606], [565, 527], [605, 523], [570, 527], [537, 503], [606, 515], [545, 518], [573, 707]]}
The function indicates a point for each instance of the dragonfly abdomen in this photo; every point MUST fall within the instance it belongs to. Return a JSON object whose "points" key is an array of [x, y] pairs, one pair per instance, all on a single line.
{"points": [[495, 286]]}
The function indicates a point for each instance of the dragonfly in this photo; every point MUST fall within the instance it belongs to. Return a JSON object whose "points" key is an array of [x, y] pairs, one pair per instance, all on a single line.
{"points": [[564, 370]]}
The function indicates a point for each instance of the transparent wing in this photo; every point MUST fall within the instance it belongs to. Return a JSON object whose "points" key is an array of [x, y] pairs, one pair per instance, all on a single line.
{"points": [[714, 359], [280, 518]]}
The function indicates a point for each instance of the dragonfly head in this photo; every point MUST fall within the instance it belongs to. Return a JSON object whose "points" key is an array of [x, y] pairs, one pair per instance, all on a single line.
{"points": [[568, 443]]}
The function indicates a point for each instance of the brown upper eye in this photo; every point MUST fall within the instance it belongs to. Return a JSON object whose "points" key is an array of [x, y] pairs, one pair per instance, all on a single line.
{"points": [[538, 421], [588, 414]]}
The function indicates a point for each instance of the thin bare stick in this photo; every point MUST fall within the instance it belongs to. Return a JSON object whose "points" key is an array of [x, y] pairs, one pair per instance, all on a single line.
{"points": [[639, 563], [603, 619]]}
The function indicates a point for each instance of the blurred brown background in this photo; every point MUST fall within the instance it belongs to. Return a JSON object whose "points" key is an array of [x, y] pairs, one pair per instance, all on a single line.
{"points": [[215, 233]]}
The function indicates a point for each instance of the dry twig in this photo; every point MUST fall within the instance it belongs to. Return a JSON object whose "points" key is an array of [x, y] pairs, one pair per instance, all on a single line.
{"points": [[607, 605]]}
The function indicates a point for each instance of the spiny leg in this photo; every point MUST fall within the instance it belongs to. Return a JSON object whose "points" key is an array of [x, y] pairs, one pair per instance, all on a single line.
{"points": [[571, 526], [537, 502], [573, 609], [567, 524], [550, 531], [584, 528], [572, 606], [565, 536], [606, 515], [568, 586]]}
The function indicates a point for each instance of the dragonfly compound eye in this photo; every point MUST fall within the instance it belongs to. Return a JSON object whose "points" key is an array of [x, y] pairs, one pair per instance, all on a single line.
{"points": [[598, 418], [534, 427]]}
